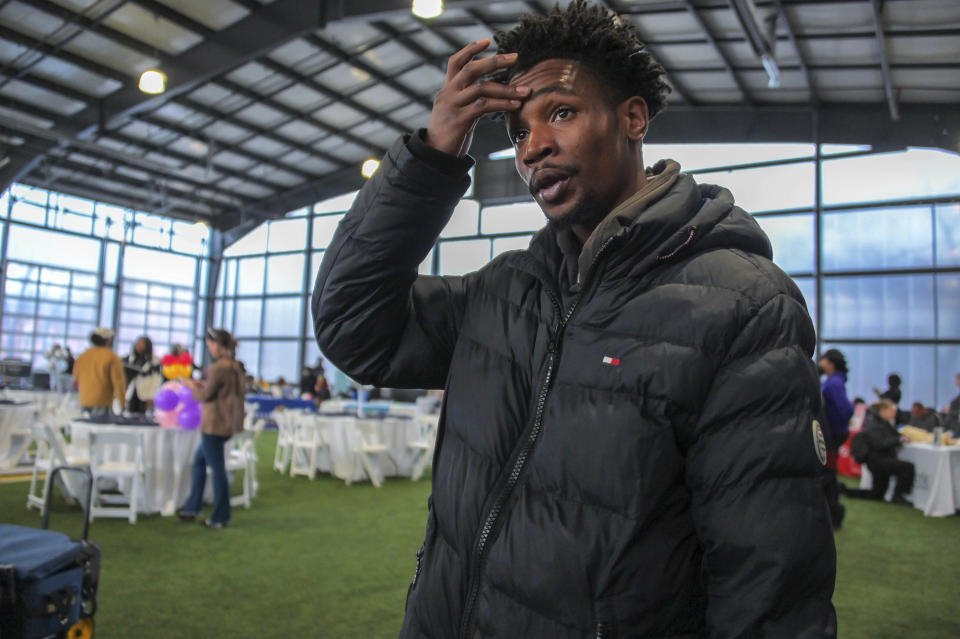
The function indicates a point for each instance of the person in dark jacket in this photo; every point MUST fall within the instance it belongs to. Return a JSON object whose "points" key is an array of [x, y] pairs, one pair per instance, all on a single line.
{"points": [[893, 392], [882, 442], [627, 444]]}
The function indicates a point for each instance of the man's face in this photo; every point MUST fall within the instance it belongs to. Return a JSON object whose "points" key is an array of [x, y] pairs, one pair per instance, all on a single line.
{"points": [[574, 147]]}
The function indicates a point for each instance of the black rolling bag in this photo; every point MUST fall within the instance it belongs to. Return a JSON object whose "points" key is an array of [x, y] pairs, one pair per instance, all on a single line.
{"points": [[48, 582]]}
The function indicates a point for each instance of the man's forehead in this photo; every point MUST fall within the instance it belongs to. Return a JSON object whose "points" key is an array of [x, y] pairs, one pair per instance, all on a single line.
{"points": [[553, 71]]}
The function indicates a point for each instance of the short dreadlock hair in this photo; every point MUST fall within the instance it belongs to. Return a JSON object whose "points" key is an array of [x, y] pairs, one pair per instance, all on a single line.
{"points": [[594, 37]]}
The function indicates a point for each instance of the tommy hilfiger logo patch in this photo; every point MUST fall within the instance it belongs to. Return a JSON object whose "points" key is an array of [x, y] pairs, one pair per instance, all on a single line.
{"points": [[611, 361]]}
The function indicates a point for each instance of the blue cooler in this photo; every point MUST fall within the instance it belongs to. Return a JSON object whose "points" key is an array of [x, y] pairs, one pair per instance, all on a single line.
{"points": [[48, 581]]}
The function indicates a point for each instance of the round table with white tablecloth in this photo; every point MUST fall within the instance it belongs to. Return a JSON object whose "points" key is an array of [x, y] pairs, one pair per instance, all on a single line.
{"points": [[168, 461], [936, 485], [343, 435]]}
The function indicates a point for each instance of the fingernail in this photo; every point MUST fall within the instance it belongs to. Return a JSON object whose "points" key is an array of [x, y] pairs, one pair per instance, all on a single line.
{"points": [[522, 90], [510, 56], [514, 102]]}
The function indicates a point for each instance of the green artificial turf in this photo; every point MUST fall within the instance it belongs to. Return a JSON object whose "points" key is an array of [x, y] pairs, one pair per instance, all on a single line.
{"points": [[321, 559]]}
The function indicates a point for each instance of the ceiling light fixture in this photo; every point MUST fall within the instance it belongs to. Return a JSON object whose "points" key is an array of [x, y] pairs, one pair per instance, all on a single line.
{"points": [[427, 8], [369, 167], [153, 82]]}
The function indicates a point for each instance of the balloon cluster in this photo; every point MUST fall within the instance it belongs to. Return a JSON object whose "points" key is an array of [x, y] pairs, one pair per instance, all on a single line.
{"points": [[175, 406], [177, 366]]}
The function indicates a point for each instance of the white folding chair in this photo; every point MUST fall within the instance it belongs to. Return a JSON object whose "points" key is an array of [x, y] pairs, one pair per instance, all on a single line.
{"points": [[422, 447], [366, 450], [285, 433], [308, 446], [101, 467], [53, 451], [240, 455]]}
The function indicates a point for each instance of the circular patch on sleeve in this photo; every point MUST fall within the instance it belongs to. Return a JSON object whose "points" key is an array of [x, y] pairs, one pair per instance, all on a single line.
{"points": [[819, 443]]}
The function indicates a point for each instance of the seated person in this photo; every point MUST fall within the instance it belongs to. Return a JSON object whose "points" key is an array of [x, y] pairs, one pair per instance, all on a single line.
{"points": [[921, 417], [882, 442]]}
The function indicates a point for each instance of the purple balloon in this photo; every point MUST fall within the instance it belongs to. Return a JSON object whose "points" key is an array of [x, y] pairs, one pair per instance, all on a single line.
{"points": [[189, 418], [185, 395], [166, 399]]}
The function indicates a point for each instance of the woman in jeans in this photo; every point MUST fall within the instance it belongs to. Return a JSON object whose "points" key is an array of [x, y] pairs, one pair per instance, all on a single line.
{"points": [[222, 397]]}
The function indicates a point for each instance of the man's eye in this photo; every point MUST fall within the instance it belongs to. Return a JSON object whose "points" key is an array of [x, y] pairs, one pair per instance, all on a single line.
{"points": [[562, 113], [519, 136]]}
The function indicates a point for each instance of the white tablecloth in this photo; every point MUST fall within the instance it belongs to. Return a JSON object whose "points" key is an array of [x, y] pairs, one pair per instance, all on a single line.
{"points": [[936, 485], [168, 461], [343, 437], [15, 437]]}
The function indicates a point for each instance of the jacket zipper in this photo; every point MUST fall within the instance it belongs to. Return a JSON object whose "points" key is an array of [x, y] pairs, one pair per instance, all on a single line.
{"points": [[602, 629], [494, 513]]}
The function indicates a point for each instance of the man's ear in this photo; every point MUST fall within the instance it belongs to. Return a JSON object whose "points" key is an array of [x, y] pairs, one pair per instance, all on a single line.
{"points": [[635, 117]]}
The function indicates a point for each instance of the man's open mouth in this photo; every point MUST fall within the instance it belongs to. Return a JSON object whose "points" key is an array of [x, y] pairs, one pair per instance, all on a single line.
{"points": [[549, 185]]}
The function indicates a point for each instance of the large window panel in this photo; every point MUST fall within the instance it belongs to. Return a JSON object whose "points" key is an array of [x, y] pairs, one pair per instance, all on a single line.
{"points": [[511, 218], [107, 305], [27, 212], [249, 275], [891, 306], [504, 244], [948, 234], [190, 238], [464, 221], [914, 173], [287, 235], [279, 359], [808, 287], [426, 266], [250, 244], [335, 204], [248, 317], [948, 367], [463, 256], [767, 188], [159, 266], [53, 248], [285, 273], [282, 316], [703, 156], [891, 238], [324, 226], [111, 263], [870, 364], [792, 239], [948, 305], [248, 352]]}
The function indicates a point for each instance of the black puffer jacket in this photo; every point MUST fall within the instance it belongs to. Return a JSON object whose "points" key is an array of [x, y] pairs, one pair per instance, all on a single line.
{"points": [[638, 462]]}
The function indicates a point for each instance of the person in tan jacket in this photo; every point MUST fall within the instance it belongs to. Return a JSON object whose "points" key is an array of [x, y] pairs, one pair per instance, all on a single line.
{"points": [[99, 374], [222, 397]]}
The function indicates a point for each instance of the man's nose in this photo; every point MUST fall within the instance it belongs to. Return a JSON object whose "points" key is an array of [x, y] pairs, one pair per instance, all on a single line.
{"points": [[539, 145]]}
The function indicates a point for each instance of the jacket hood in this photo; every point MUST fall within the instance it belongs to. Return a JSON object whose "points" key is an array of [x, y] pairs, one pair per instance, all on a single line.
{"points": [[671, 218]]}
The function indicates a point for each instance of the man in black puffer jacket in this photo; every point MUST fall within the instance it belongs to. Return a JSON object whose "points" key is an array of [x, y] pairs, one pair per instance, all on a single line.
{"points": [[628, 444]]}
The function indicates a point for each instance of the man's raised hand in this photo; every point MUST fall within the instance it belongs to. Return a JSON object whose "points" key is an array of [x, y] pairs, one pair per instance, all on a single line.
{"points": [[466, 96]]}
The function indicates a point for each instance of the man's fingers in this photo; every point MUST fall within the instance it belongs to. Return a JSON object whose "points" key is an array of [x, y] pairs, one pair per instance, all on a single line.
{"points": [[489, 90], [484, 105], [476, 69], [464, 55]]}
